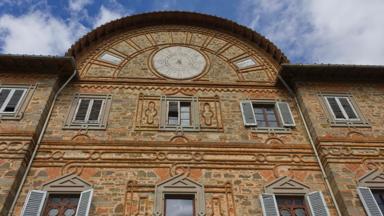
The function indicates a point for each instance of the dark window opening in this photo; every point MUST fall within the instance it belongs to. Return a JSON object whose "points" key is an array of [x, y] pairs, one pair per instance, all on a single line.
{"points": [[266, 115], [379, 197], [61, 205], [291, 206], [179, 113]]}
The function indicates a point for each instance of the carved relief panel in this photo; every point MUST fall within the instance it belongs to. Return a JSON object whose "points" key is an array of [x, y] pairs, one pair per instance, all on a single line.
{"points": [[152, 111]]}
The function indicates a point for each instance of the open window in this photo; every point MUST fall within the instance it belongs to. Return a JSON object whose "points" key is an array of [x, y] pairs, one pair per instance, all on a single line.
{"points": [[371, 192], [179, 113], [89, 111], [68, 195], [286, 196], [179, 195], [266, 115], [13, 100]]}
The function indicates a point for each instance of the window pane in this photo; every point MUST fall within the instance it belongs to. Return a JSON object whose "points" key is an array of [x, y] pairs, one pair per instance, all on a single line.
{"points": [[179, 206], [335, 108], [291, 205], [95, 111], [61, 204], [265, 115], [273, 124], [173, 113], [172, 120], [14, 101], [82, 110], [348, 108], [173, 106], [379, 197], [3, 96], [185, 106], [185, 122], [258, 110], [299, 212]]}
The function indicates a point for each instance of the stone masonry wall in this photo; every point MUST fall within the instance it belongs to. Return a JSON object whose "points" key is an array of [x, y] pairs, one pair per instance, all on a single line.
{"points": [[18, 137], [347, 152]]}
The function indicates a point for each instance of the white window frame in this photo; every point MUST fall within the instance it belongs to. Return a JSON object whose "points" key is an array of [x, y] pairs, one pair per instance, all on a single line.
{"points": [[337, 98], [12, 92], [89, 109]]}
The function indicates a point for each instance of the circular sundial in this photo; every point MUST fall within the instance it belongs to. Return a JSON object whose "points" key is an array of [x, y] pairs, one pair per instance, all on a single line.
{"points": [[178, 62]]}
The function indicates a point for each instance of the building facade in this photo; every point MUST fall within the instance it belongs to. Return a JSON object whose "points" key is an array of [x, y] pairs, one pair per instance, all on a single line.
{"points": [[181, 114]]}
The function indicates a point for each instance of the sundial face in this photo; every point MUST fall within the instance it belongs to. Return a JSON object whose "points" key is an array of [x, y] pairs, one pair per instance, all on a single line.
{"points": [[179, 62]]}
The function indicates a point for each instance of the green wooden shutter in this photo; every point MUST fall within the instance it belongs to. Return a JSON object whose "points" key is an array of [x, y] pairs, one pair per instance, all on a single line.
{"points": [[249, 118], [369, 202], [269, 205], [317, 204], [34, 202], [84, 203], [285, 114]]}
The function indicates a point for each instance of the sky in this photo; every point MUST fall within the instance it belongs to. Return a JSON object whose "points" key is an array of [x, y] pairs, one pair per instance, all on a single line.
{"points": [[307, 31]]}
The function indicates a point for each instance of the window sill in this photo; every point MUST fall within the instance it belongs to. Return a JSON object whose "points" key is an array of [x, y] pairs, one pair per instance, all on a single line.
{"points": [[271, 130], [85, 127], [10, 116], [178, 128], [350, 124]]}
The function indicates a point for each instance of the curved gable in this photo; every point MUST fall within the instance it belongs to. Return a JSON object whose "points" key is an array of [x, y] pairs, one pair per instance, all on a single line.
{"points": [[127, 49]]}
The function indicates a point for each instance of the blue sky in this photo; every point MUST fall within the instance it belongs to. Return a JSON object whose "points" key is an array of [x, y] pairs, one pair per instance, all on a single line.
{"points": [[308, 31]]}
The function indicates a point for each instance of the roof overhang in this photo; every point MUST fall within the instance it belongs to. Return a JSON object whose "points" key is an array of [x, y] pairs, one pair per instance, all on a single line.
{"points": [[331, 72], [61, 65], [175, 18]]}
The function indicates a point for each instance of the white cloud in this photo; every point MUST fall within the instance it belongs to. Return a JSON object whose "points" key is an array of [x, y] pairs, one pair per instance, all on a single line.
{"points": [[77, 5], [343, 31], [105, 15], [37, 33]]}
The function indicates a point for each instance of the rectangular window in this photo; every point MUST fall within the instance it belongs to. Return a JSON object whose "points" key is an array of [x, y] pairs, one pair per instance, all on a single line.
{"points": [[179, 205], [90, 111], [291, 205], [267, 114], [10, 99], [179, 113], [341, 108], [61, 204], [58, 203]]}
